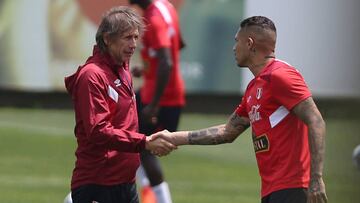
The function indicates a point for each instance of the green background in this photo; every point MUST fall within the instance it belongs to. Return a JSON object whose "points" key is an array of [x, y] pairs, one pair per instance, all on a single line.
{"points": [[37, 157]]}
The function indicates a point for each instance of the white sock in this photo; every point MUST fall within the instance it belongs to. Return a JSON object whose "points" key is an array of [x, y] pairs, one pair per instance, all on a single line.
{"points": [[141, 177], [162, 193], [68, 198]]}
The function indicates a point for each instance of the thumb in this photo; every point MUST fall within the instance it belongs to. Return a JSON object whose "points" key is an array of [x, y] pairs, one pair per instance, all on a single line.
{"points": [[155, 136], [164, 131]]}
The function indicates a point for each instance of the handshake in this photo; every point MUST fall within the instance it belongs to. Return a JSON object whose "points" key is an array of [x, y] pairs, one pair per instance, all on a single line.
{"points": [[161, 143]]}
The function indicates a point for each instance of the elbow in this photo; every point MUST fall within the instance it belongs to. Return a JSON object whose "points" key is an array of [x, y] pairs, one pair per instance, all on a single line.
{"points": [[230, 138], [166, 65], [320, 123]]}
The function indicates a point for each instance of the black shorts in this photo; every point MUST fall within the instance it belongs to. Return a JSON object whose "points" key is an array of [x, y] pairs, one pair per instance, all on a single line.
{"points": [[125, 193], [168, 118], [292, 195]]}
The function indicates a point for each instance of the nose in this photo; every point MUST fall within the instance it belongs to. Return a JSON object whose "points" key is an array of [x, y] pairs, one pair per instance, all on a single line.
{"points": [[133, 42]]}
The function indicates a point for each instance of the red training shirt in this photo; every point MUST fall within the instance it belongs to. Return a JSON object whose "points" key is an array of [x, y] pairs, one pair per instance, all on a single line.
{"points": [[280, 138], [162, 31], [106, 123]]}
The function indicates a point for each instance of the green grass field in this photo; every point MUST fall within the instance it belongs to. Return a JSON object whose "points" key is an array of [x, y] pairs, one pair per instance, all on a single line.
{"points": [[37, 157]]}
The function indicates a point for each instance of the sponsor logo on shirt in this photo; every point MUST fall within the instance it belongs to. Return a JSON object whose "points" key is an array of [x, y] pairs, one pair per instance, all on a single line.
{"points": [[261, 143], [254, 114]]}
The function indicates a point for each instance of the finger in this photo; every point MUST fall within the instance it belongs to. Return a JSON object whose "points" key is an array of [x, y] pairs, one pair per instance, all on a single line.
{"points": [[309, 197], [169, 145], [154, 152], [149, 138], [155, 136], [324, 197], [165, 131], [321, 198], [162, 152]]}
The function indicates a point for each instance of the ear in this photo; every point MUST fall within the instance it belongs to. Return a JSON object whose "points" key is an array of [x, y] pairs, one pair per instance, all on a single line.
{"points": [[250, 43], [106, 39]]}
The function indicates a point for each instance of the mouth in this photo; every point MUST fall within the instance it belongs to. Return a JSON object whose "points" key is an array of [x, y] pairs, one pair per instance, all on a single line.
{"points": [[129, 53]]}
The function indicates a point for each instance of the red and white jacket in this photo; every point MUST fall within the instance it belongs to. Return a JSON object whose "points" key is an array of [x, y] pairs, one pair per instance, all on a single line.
{"points": [[106, 123]]}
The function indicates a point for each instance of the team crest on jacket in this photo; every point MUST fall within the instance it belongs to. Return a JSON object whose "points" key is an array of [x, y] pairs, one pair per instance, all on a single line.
{"points": [[261, 143], [117, 82], [258, 93]]}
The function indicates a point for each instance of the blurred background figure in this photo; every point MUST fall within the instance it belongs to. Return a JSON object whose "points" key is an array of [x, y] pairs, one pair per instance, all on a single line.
{"points": [[162, 95], [356, 156]]}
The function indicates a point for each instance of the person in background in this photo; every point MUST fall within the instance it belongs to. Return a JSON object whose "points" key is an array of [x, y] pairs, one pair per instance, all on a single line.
{"points": [[161, 97], [107, 155], [288, 130]]}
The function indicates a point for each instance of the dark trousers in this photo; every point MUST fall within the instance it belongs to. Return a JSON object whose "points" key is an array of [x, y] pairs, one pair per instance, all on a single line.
{"points": [[122, 193], [292, 195], [168, 118]]}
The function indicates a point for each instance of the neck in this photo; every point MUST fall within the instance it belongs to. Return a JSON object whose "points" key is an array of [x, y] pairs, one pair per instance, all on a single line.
{"points": [[145, 4], [259, 65]]}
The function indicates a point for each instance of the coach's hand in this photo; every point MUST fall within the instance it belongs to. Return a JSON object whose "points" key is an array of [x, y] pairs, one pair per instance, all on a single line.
{"points": [[159, 146], [316, 191]]}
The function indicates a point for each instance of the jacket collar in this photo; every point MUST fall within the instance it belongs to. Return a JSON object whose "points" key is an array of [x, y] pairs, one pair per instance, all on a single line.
{"points": [[104, 57]]}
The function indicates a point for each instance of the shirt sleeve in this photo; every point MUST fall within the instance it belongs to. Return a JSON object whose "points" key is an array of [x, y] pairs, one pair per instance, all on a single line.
{"points": [[95, 114], [241, 109], [289, 87], [158, 33]]}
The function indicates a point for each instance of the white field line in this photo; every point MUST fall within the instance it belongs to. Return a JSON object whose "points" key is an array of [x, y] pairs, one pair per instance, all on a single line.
{"points": [[34, 180], [50, 130]]}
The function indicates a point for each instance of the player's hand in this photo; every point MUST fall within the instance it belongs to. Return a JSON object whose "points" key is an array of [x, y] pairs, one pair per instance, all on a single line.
{"points": [[316, 191], [159, 146], [164, 134], [136, 71], [150, 113]]}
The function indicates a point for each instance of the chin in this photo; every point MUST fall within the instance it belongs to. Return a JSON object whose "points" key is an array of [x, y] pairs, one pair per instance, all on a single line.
{"points": [[240, 65]]}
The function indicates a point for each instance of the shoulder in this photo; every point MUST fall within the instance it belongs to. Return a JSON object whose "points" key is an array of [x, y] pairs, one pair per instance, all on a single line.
{"points": [[155, 19], [91, 72], [283, 71]]}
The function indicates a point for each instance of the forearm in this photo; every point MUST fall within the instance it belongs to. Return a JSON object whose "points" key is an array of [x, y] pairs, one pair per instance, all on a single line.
{"points": [[163, 73], [117, 139], [310, 115], [215, 135], [209, 136], [162, 80], [317, 147]]}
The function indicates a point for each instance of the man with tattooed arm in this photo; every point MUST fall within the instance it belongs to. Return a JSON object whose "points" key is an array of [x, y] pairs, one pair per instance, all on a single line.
{"points": [[288, 130]]}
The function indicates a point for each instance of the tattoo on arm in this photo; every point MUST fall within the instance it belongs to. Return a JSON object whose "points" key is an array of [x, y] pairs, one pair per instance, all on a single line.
{"points": [[310, 115], [209, 136], [237, 124], [226, 133]]}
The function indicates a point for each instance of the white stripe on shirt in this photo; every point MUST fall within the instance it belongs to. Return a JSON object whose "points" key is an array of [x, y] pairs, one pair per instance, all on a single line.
{"points": [[277, 116]]}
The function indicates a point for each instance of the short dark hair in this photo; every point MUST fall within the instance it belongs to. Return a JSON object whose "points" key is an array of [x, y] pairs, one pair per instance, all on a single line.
{"points": [[260, 21], [118, 20]]}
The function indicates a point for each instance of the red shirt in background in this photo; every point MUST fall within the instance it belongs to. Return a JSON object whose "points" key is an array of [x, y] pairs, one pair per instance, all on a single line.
{"points": [[280, 138], [162, 31], [106, 123]]}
